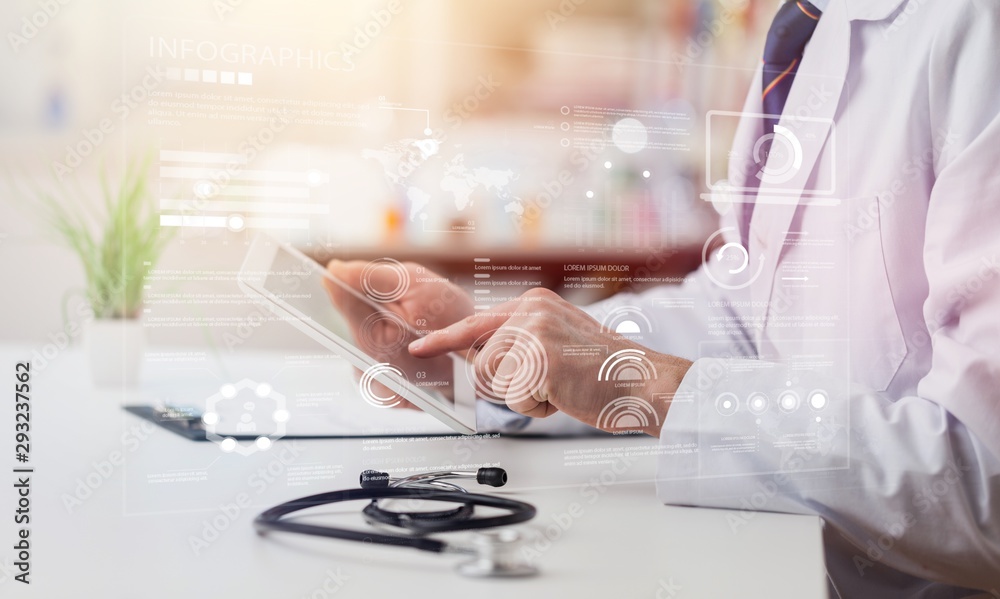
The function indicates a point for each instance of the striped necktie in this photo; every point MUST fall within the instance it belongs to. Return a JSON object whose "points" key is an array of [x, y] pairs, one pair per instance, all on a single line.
{"points": [[786, 41]]}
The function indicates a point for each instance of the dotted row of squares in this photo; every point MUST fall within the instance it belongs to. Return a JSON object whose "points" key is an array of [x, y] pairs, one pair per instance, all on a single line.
{"points": [[210, 76]]}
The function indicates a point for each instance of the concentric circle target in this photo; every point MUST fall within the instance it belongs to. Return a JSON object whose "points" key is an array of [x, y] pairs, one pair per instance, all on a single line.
{"points": [[727, 404], [390, 288], [522, 382], [383, 333], [757, 403]]}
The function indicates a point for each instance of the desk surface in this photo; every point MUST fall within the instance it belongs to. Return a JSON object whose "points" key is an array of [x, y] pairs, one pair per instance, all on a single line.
{"points": [[122, 510]]}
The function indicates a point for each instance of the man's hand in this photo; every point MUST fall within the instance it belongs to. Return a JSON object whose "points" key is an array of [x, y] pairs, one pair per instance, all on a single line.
{"points": [[523, 353], [426, 302]]}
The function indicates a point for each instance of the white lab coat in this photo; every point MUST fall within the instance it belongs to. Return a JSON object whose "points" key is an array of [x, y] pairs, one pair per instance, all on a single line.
{"points": [[907, 470]]}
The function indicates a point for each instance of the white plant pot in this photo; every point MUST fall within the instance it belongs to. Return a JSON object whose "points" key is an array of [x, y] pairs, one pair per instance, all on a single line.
{"points": [[115, 348]]}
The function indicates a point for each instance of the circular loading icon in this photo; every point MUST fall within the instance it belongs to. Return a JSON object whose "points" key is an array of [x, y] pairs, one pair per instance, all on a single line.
{"points": [[743, 269], [789, 149]]}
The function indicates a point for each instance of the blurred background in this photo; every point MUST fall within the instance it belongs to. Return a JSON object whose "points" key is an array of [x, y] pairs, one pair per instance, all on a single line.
{"points": [[537, 133]]}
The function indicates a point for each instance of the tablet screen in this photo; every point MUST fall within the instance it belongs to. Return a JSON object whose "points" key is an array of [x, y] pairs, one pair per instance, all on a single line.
{"points": [[295, 281], [376, 337]]}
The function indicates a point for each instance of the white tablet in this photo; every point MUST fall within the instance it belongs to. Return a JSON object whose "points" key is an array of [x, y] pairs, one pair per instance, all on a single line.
{"points": [[295, 287]]}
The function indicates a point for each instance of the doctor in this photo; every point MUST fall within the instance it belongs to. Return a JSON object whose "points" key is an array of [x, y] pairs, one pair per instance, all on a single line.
{"points": [[860, 349]]}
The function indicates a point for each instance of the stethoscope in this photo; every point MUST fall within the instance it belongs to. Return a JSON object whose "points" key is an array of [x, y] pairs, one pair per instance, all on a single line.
{"points": [[495, 552]]}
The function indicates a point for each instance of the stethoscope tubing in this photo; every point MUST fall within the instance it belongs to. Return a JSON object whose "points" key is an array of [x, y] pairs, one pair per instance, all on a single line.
{"points": [[518, 512]]}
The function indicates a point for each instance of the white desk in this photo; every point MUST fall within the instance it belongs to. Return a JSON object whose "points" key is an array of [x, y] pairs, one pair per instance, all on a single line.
{"points": [[131, 537]]}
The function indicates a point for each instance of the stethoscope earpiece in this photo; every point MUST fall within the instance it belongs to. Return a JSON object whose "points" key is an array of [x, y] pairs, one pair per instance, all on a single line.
{"points": [[493, 477], [373, 479]]}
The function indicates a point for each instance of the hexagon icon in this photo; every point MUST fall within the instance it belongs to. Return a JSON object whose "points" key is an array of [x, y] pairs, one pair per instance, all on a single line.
{"points": [[246, 424]]}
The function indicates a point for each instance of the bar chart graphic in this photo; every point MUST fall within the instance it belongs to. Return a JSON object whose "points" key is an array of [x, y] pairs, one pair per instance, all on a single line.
{"points": [[220, 190]]}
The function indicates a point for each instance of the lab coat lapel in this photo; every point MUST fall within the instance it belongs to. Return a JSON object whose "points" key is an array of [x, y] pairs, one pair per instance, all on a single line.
{"points": [[742, 169], [808, 114]]}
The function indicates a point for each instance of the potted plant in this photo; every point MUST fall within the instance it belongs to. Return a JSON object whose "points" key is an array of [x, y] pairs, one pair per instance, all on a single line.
{"points": [[117, 245]]}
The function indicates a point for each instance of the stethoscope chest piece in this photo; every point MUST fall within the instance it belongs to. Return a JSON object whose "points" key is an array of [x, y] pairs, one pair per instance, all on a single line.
{"points": [[497, 555]]}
